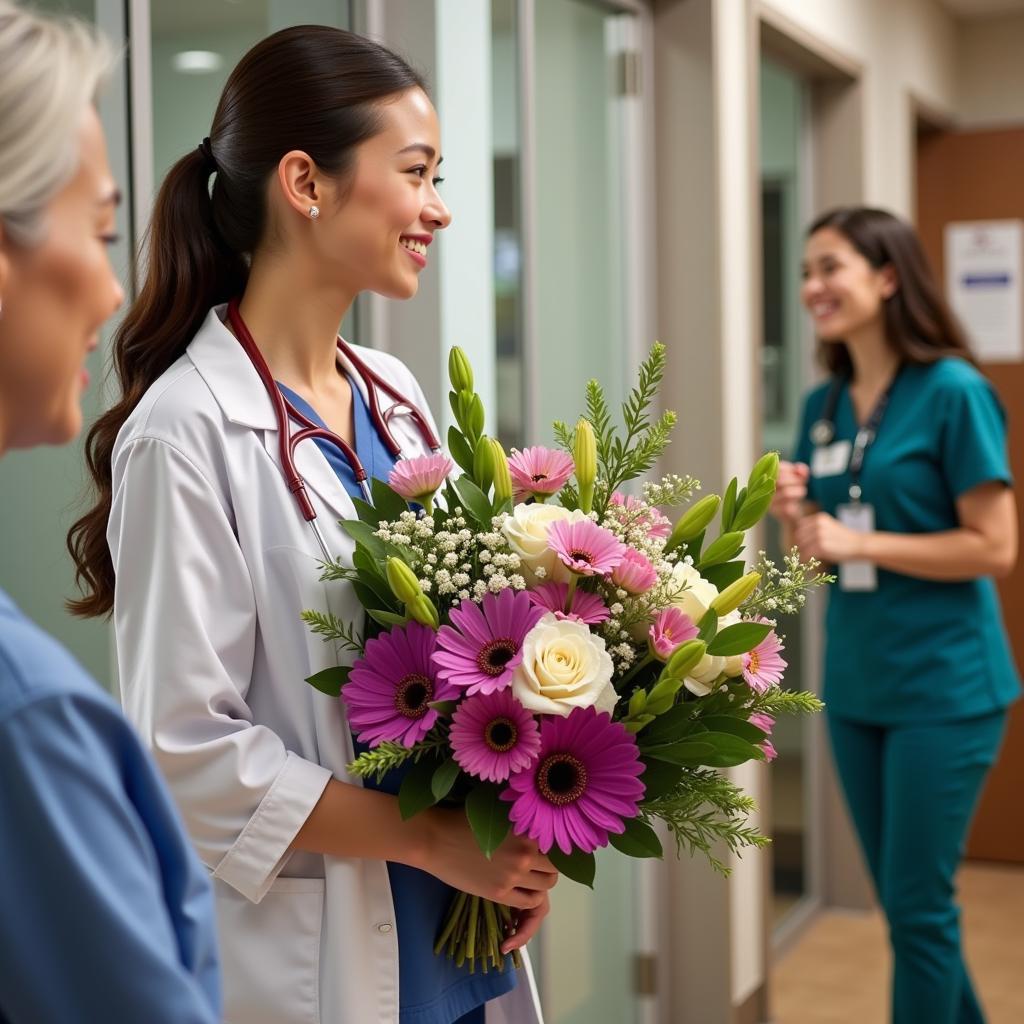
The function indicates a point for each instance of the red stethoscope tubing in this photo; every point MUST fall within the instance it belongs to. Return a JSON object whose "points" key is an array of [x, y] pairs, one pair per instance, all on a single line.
{"points": [[285, 412]]}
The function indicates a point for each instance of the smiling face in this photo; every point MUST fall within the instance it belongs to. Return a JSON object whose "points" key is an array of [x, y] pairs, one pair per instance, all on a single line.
{"points": [[56, 295], [375, 234], [842, 291]]}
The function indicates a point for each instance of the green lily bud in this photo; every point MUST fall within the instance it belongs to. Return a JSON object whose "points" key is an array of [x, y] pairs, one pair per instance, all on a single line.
{"points": [[637, 703], [685, 658], [766, 468], [638, 723], [402, 580], [483, 464], [726, 548], [585, 457], [422, 609], [735, 594], [502, 476], [694, 521], [460, 372], [475, 419]]}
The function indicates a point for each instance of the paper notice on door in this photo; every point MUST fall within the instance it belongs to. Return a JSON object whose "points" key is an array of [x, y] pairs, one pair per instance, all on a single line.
{"points": [[984, 263]]}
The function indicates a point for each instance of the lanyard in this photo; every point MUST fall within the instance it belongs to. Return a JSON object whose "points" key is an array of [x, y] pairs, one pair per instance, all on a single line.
{"points": [[823, 430]]}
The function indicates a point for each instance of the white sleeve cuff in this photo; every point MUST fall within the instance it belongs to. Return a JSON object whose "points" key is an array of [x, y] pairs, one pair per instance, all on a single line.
{"points": [[259, 853]]}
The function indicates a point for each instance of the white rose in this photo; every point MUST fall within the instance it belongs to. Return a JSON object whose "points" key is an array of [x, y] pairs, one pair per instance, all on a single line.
{"points": [[527, 533], [699, 594], [564, 666], [734, 664], [701, 679]]}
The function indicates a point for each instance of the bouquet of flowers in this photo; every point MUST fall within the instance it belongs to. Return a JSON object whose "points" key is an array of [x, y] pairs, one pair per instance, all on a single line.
{"points": [[556, 655]]}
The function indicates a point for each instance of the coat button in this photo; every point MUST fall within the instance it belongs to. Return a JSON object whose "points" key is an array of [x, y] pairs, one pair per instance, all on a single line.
{"points": [[384, 928]]}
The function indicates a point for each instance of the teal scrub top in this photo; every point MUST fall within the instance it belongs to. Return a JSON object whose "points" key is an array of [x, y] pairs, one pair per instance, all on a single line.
{"points": [[915, 649]]}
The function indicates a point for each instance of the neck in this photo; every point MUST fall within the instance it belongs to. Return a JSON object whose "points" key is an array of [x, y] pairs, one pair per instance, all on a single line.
{"points": [[874, 360], [294, 323]]}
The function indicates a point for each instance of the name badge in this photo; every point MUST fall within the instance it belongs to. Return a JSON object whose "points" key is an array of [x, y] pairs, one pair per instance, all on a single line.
{"points": [[831, 459], [858, 575]]}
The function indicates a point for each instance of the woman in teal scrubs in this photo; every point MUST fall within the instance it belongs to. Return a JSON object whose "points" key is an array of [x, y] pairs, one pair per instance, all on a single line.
{"points": [[901, 480]]}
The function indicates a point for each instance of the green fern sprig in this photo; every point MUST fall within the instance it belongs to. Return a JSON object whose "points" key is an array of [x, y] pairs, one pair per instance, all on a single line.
{"points": [[330, 627], [775, 701], [388, 756]]}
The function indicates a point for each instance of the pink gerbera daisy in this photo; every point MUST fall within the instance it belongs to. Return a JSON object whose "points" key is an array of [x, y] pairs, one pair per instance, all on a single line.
{"points": [[493, 735], [670, 628], [481, 649], [657, 525], [420, 478], [764, 665], [584, 547], [635, 574], [586, 607], [539, 472], [390, 687], [583, 785]]}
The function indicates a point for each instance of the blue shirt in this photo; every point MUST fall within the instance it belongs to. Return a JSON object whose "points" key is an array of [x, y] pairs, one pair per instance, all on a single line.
{"points": [[107, 913], [917, 649], [431, 989]]}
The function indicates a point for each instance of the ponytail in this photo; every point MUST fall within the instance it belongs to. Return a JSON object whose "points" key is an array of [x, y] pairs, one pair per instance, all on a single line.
{"points": [[200, 242]]}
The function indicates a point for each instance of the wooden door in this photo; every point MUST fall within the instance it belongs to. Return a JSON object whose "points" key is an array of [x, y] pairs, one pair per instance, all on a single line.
{"points": [[979, 175]]}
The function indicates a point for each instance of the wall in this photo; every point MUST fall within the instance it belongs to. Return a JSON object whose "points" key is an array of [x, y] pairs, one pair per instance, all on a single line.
{"points": [[906, 48], [990, 72]]}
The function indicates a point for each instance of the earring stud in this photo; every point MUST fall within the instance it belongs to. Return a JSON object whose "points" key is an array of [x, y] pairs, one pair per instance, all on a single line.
{"points": [[314, 212]]}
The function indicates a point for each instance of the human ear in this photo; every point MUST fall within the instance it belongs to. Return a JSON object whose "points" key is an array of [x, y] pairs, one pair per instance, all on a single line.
{"points": [[299, 180], [890, 281]]}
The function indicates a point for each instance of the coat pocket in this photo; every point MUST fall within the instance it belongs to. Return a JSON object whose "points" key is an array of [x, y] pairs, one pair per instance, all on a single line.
{"points": [[270, 952]]}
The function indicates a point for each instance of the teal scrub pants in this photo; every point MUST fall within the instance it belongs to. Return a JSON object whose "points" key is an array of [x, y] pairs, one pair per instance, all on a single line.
{"points": [[911, 789]]}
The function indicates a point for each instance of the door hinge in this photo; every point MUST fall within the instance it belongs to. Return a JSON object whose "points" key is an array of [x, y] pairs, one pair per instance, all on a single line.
{"points": [[645, 974], [628, 72]]}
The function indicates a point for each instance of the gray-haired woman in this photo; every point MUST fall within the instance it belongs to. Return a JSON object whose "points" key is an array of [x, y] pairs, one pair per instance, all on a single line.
{"points": [[107, 913]]}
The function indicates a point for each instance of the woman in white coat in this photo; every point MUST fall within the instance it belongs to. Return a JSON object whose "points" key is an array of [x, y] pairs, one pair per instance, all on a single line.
{"points": [[323, 154]]}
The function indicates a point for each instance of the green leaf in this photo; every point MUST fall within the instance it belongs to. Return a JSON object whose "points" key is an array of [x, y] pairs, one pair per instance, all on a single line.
{"points": [[708, 627], [580, 867], [738, 639], [673, 725], [723, 575], [367, 513], [639, 840], [473, 500], [330, 680], [444, 778], [384, 618], [724, 549], [389, 504], [729, 505], [729, 750], [416, 794], [659, 778], [488, 817], [443, 707], [688, 753], [753, 512], [362, 533], [734, 726]]}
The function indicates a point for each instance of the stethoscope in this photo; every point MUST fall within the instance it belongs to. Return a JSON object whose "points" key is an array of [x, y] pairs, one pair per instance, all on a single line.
{"points": [[285, 412]]}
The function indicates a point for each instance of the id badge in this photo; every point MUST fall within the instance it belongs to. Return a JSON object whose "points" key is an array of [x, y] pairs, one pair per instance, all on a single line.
{"points": [[859, 575], [831, 459]]}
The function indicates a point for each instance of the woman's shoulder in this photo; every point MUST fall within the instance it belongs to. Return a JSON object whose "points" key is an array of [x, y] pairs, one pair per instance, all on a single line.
{"points": [[950, 374]]}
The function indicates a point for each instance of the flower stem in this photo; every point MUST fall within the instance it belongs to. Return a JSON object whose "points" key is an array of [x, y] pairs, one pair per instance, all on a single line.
{"points": [[641, 664], [573, 580]]}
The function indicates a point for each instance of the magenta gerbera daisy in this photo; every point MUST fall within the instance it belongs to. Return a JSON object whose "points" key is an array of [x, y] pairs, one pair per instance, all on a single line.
{"points": [[420, 478], [481, 649], [764, 665], [584, 547], [493, 735], [586, 607], [584, 784], [539, 472], [670, 628], [635, 574], [390, 687]]}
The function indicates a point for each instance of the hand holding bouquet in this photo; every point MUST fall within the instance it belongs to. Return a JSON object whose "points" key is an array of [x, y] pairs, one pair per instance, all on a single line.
{"points": [[555, 655]]}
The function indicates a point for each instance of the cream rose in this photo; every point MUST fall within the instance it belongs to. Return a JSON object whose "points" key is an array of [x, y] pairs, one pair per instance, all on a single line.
{"points": [[701, 679], [698, 595], [734, 664], [564, 666], [527, 533]]}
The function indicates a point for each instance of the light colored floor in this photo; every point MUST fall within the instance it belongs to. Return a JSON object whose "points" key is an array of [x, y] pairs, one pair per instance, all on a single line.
{"points": [[838, 971]]}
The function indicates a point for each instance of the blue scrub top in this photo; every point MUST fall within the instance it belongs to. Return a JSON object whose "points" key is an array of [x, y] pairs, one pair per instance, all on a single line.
{"points": [[431, 989], [915, 649], [107, 913]]}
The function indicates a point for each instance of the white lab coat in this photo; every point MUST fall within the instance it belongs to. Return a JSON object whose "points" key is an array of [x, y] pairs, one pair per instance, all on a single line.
{"points": [[214, 564]]}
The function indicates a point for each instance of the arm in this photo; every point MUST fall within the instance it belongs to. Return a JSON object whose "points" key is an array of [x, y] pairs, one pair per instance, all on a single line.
{"points": [[86, 929], [985, 543]]}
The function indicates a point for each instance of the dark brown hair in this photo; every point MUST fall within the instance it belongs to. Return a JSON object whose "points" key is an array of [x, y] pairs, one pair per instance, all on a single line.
{"points": [[919, 325], [311, 88]]}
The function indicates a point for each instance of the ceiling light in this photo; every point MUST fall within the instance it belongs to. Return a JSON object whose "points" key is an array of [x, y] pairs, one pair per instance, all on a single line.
{"points": [[197, 62]]}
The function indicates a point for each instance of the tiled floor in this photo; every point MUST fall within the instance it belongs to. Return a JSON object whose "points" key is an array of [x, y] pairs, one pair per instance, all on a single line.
{"points": [[837, 973]]}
